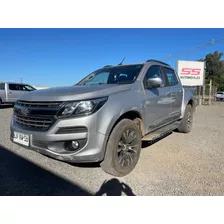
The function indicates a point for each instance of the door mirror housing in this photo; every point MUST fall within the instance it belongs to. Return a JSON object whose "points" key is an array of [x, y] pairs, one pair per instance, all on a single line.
{"points": [[154, 82]]}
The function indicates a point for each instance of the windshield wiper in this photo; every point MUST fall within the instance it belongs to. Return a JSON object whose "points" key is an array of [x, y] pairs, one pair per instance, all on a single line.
{"points": [[100, 83]]}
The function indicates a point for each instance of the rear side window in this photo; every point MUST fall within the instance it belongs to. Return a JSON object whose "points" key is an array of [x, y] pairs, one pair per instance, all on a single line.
{"points": [[2, 86], [14, 87], [171, 77]]}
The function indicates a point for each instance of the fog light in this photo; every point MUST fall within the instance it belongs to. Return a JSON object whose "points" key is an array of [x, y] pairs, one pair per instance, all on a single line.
{"points": [[71, 145], [75, 144]]}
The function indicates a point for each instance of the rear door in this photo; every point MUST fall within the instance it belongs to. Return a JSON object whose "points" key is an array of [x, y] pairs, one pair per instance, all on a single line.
{"points": [[157, 100], [176, 90]]}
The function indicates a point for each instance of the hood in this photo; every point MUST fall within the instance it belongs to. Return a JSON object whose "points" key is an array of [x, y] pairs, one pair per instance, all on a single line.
{"points": [[73, 93]]}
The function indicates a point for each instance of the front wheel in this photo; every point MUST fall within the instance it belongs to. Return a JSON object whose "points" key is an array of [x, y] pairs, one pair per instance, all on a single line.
{"points": [[123, 149], [187, 121]]}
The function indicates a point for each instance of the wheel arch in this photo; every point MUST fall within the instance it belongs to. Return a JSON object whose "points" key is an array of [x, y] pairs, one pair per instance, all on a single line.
{"points": [[133, 115]]}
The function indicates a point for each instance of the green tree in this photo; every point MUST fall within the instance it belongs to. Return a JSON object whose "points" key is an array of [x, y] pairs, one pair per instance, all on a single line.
{"points": [[214, 68]]}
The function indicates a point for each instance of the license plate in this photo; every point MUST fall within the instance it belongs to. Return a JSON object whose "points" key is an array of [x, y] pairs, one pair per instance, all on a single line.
{"points": [[22, 139]]}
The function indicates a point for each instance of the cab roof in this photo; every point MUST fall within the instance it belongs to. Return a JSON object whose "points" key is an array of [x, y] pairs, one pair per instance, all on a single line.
{"points": [[141, 63]]}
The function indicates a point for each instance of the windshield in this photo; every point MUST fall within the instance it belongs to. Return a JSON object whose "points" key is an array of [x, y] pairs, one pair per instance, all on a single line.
{"points": [[113, 75]]}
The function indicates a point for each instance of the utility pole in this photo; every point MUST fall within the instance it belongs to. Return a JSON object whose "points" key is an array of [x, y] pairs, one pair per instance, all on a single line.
{"points": [[210, 92], [21, 80], [203, 93]]}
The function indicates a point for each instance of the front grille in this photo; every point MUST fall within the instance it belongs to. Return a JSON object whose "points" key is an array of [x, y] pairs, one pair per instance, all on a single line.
{"points": [[38, 104], [37, 116], [34, 123]]}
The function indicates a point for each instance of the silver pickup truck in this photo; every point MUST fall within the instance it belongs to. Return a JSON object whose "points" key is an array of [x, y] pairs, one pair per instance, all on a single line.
{"points": [[10, 92], [105, 116]]}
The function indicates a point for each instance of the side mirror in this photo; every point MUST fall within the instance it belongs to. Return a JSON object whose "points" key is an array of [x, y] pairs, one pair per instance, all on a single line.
{"points": [[154, 82]]}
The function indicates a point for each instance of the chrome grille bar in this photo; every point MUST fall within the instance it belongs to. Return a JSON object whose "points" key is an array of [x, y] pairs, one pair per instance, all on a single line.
{"points": [[38, 116], [39, 104]]}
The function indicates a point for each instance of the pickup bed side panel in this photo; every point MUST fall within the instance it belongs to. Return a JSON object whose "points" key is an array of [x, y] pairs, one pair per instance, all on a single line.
{"points": [[3, 94], [189, 94]]}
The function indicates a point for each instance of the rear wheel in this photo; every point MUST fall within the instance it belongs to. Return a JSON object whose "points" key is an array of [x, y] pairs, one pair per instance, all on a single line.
{"points": [[187, 121], [123, 149]]}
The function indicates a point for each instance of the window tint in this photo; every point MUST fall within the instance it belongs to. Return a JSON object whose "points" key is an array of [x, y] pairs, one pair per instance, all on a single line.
{"points": [[171, 77], [26, 88], [15, 87], [155, 71], [126, 74], [101, 78], [2, 86], [22, 88]]}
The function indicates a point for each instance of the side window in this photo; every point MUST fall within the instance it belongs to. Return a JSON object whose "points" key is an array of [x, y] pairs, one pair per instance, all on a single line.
{"points": [[14, 87], [2, 86], [171, 77], [27, 88], [155, 71], [23, 88]]}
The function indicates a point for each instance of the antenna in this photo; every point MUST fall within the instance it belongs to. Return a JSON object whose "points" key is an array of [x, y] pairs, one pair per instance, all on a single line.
{"points": [[122, 61]]}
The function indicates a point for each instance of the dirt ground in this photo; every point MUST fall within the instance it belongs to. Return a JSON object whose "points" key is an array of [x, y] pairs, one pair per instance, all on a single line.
{"points": [[180, 164]]}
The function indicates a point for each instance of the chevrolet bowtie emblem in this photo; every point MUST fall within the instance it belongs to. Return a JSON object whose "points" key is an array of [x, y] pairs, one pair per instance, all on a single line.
{"points": [[24, 111]]}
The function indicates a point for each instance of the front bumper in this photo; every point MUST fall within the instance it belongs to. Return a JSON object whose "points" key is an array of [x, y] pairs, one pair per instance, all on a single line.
{"points": [[52, 144]]}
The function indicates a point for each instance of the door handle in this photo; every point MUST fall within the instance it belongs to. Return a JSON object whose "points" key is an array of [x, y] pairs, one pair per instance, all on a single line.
{"points": [[10, 92], [167, 93]]}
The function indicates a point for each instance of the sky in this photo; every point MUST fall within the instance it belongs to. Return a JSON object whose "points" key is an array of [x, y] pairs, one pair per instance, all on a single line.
{"points": [[62, 57]]}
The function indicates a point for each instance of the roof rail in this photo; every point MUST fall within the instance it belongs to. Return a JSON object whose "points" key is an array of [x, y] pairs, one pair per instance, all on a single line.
{"points": [[152, 60], [107, 66]]}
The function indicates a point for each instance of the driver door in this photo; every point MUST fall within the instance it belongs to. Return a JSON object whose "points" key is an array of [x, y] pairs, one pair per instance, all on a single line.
{"points": [[157, 100]]}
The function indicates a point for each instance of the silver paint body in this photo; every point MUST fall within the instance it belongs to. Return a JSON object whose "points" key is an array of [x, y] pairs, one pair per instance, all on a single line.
{"points": [[10, 96], [157, 107]]}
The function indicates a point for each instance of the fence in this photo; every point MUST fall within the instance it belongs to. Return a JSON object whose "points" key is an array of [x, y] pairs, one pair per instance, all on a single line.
{"points": [[206, 95]]}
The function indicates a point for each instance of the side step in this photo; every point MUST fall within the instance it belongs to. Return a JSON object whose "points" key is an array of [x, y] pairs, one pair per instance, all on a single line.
{"points": [[161, 131]]}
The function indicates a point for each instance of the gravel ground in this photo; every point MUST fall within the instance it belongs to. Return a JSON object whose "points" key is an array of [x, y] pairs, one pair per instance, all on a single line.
{"points": [[180, 164]]}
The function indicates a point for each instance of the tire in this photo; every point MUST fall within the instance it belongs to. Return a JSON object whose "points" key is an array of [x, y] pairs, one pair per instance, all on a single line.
{"points": [[187, 121], [122, 154]]}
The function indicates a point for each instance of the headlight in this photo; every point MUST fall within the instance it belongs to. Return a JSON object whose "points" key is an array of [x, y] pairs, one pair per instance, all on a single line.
{"points": [[81, 108]]}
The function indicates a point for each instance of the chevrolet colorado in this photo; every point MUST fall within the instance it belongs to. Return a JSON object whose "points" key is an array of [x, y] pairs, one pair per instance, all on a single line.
{"points": [[105, 116]]}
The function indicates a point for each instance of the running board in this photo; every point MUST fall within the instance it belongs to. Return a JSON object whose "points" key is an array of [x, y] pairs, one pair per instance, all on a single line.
{"points": [[161, 131]]}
